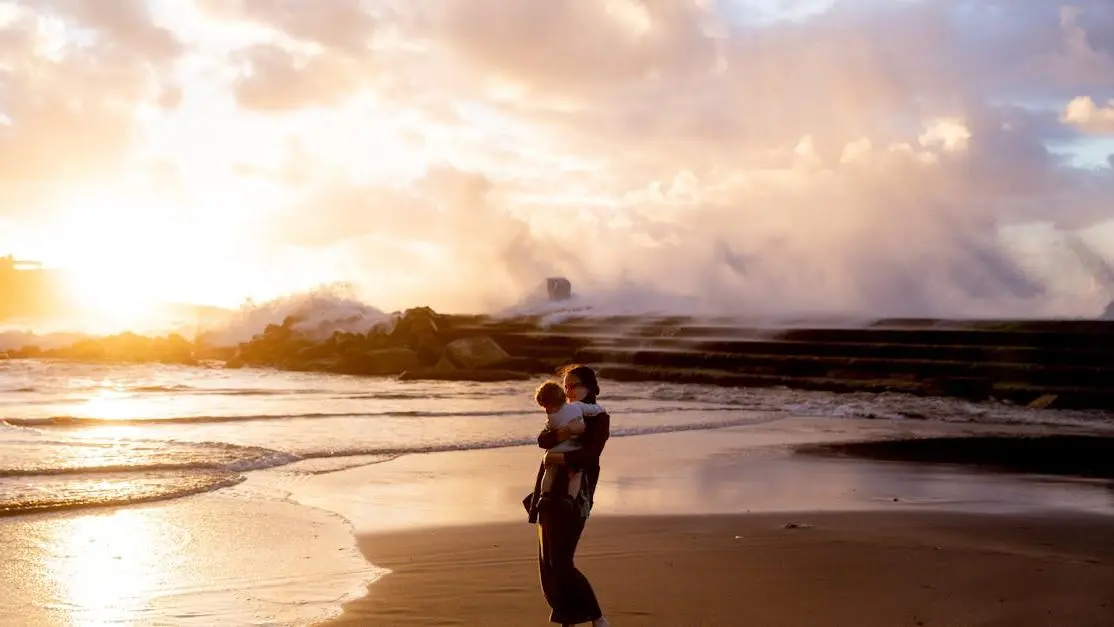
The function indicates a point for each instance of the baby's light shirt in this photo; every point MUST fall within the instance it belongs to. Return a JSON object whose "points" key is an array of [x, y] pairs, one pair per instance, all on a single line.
{"points": [[570, 412]]}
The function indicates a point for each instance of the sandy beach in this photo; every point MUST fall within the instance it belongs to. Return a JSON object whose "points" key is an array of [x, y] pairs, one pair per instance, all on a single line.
{"points": [[864, 569], [765, 537]]}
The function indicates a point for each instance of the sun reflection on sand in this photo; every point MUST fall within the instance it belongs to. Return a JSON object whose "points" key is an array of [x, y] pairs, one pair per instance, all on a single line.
{"points": [[108, 568], [209, 560]]}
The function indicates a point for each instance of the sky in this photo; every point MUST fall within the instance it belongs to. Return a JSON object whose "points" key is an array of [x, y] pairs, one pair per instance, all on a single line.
{"points": [[882, 157]]}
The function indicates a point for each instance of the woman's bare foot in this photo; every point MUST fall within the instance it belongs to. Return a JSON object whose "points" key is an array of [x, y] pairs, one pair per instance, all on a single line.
{"points": [[601, 622]]}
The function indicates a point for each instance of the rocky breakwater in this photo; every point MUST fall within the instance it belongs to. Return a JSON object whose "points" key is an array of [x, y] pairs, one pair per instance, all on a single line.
{"points": [[119, 348], [1063, 363], [417, 344], [1041, 363]]}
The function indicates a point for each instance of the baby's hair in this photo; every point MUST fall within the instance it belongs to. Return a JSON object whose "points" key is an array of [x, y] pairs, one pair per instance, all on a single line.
{"points": [[549, 394]]}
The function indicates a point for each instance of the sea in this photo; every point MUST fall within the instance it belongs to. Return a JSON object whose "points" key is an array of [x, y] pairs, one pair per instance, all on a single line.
{"points": [[84, 446]]}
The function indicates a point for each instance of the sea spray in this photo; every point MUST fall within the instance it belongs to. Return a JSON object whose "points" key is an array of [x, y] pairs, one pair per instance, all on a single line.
{"points": [[319, 313]]}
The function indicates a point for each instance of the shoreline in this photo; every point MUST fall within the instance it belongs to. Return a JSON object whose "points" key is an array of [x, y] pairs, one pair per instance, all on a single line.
{"points": [[732, 470], [437, 516]]}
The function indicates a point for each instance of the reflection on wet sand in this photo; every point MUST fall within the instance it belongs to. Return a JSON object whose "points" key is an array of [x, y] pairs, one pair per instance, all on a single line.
{"points": [[214, 559], [726, 471], [108, 568]]}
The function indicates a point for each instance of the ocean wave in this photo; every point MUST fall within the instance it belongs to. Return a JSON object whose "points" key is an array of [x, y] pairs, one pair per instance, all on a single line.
{"points": [[45, 458], [107, 489], [72, 387], [78, 421], [39, 456], [505, 442], [40, 474], [189, 389], [868, 405]]}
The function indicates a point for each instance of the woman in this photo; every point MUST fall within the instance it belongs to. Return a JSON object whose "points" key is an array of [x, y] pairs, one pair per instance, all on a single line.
{"points": [[566, 589]]}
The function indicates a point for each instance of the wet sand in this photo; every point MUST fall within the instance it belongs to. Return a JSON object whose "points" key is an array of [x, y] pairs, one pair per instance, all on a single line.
{"points": [[219, 558], [731, 527], [864, 569]]}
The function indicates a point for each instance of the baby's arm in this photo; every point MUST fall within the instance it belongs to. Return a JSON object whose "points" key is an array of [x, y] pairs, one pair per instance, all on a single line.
{"points": [[589, 409]]}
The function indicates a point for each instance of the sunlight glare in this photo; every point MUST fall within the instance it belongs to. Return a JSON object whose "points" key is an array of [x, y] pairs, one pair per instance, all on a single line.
{"points": [[112, 566], [122, 259]]}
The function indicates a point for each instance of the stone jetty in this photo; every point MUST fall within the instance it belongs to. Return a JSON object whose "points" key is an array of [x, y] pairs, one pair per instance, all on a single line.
{"points": [[1041, 363]]}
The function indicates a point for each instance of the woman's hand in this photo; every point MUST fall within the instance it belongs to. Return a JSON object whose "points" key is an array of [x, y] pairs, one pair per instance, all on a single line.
{"points": [[554, 459]]}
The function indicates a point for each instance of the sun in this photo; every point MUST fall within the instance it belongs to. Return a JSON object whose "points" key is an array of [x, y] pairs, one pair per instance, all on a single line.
{"points": [[125, 260]]}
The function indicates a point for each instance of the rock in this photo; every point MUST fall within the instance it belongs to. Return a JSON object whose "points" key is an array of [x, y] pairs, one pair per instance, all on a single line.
{"points": [[474, 353], [558, 288], [276, 345], [416, 326], [444, 365], [1109, 313], [28, 352], [382, 362], [320, 364], [1044, 401], [485, 376], [525, 364], [419, 328], [127, 348]]}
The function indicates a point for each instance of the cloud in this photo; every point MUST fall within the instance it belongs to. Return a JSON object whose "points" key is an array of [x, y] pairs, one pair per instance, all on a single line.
{"points": [[276, 79], [869, 157], [125, 25], [341, 25], [69, 105], [565, 46], [1084, 114], [846, 156], [447, 238]]}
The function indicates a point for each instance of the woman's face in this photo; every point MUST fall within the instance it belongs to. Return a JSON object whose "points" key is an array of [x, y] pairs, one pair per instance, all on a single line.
{"points": [[574, 390]]}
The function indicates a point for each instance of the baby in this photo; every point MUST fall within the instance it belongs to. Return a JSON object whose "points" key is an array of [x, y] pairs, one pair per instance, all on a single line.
{"points": [[560, 413]]}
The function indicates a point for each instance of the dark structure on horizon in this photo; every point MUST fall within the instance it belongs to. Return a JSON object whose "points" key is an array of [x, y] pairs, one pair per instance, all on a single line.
{"points": [[558, 288]]}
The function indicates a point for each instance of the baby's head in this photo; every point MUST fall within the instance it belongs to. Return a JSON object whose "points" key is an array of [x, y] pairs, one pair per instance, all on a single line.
{"points": [[551, 396]]}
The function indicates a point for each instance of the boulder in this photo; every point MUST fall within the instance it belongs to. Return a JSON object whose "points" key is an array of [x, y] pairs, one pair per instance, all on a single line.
{"points": [[525, 364], [416, 326], [1043, 401], [445, 374], [419, 328], [382, 362], [474, 353]]}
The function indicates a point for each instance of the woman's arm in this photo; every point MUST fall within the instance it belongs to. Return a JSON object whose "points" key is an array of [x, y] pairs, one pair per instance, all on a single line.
{"points": [[596, 433], [548, 438]]}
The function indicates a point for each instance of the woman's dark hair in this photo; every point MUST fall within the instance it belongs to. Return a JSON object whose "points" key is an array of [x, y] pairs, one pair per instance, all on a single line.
{"points": [[586, 375]]}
